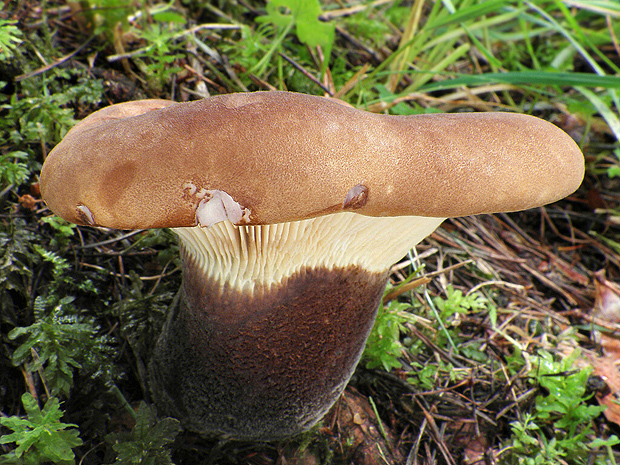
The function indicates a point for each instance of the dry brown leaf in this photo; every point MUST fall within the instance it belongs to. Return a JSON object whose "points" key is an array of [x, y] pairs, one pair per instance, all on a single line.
{"points": [[606, 367], [607, 298]]}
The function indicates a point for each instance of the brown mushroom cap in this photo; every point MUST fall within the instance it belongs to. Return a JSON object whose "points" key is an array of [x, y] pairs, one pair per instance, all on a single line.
{"points": [[272, 157]]}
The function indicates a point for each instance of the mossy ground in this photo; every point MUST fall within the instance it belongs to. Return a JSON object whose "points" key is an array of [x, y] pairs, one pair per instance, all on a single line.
{"points": [[466, 365]]}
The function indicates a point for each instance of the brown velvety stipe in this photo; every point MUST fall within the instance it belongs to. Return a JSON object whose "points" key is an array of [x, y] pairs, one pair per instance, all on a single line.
{"points": [[263, 367]]}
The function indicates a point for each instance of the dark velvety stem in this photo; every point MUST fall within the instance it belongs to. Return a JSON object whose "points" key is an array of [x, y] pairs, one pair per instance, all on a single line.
{"points": [[265, 366]]}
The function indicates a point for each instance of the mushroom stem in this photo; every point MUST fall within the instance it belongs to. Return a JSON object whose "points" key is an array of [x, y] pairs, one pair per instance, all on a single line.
{"points": [[268, 361], [275, 373]]}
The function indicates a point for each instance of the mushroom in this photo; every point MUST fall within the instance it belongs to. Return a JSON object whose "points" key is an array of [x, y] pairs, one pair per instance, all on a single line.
{"points": [[290, 210]]}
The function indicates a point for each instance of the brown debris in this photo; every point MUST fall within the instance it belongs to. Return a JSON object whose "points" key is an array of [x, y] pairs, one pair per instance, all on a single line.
{"points": [[28, 202], [607, 299], [353, 421], [606, 367]]}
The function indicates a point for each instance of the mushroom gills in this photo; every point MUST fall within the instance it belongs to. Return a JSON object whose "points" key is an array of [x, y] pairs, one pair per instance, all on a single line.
{"points": [[274, 320]]}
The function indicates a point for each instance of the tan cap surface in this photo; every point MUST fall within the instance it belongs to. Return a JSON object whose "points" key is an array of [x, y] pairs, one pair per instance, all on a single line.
{"points": [[284, 156]]}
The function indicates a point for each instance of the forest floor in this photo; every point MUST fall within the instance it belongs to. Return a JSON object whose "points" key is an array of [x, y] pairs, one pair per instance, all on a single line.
{"points": [[503, 350]]}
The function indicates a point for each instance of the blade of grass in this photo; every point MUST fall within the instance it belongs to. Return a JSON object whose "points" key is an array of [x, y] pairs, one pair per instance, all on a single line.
{"points": [[453, 57], [608, 115], [549, 21], [488, 54], [462, 15], [431, 304], [581, 50], [583, 36], [525, 31], [577, 46], [484, 23], [604, 7], [405, 43], [557, 78], [259, 68]]}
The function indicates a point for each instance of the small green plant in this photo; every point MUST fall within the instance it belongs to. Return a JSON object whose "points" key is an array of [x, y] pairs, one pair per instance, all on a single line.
{"points": [[63, 230], [158, 57], [448, 312], [58, 343], [456, 303], [41, 113], [141, 314], [13, 170], [41, 437], [303, 15], [563, 401], [106, 15], [559, 429], [254, 42], [17, 260], [384, 347], [146, 443], [425, 376], [9, 38]]}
